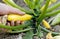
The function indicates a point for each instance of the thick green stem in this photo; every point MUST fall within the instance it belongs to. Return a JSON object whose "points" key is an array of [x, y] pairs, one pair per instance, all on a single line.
{"points": [[53, 7], [18, 31], [52, 13], [13, 27], [54, 33], [42, 15]]}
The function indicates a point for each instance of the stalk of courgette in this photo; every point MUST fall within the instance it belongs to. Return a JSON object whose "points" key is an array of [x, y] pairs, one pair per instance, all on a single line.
{"points": [[45, 30]]}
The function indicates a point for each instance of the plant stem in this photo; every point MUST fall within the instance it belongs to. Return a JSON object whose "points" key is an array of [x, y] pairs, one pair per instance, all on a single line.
{"points": [[18, 31], [53, 7], [42, 15], [54, 33], [13, 27], [52, 13]]}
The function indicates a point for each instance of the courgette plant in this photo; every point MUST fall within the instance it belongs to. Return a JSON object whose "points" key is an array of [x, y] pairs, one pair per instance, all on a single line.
{"points": [[33, 26]]}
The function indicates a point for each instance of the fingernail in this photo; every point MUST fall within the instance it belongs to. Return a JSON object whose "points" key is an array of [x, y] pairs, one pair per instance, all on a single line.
{"points": [[12, 23]]}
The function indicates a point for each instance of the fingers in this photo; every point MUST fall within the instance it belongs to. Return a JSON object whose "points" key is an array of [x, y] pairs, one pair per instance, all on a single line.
{"points": [[17, 23], [12, 23], [8, 23], [21, 22]]}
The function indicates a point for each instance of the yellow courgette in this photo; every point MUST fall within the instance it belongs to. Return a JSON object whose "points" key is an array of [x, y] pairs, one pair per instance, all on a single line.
{"points": [[46, 24], [49, 36], [14, 17]]}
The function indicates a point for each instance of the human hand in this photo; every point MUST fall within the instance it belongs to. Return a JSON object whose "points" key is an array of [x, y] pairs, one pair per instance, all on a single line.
{"points": [[5, 9]]}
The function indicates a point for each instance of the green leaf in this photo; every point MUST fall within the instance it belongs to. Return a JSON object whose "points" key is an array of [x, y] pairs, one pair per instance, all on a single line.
{"points": [[39, 32], [56, 20], [28, 35]]}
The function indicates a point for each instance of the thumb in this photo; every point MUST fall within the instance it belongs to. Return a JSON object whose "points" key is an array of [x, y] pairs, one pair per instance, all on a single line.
{"points": [[13, 10], [5, 9]]}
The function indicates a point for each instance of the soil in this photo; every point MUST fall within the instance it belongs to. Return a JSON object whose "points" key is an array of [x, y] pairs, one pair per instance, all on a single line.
{"points": [[18, 36]]}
